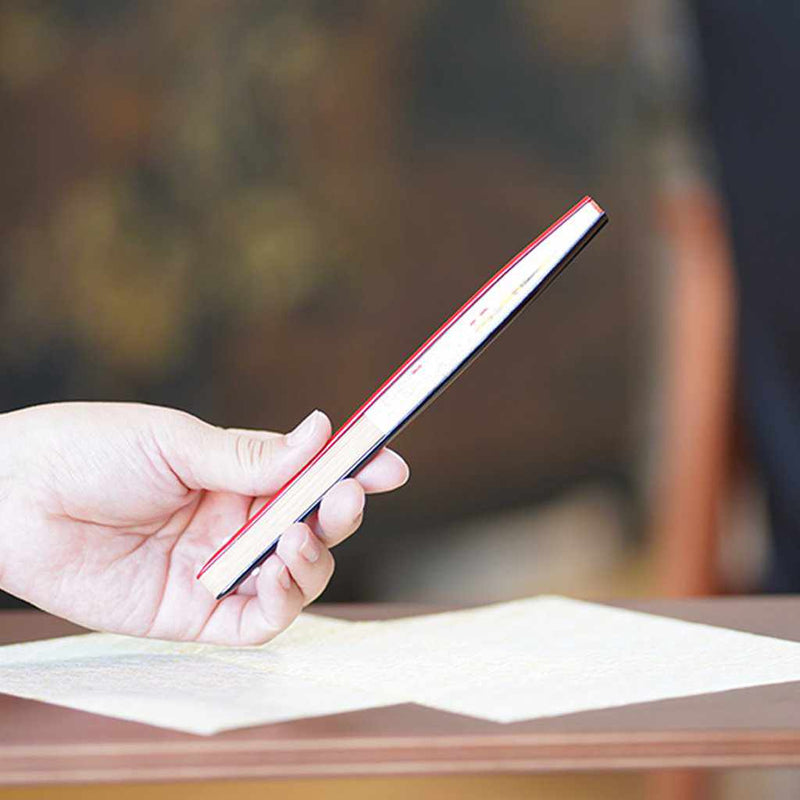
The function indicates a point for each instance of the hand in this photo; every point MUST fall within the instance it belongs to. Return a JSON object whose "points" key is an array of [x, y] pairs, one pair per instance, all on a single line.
{"points": [[108, 510]]}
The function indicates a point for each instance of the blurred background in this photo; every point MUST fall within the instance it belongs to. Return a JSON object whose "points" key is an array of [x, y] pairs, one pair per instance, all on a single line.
{"points": [[248, 210], [252, 209]]}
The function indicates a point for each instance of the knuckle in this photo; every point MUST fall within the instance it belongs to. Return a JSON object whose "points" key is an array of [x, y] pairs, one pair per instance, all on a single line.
{"points": [[291, 539], [253, 454], [248, 451]]}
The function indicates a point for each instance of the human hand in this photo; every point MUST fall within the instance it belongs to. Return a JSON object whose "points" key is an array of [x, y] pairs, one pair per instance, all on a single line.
{"points": [[107, 510]]}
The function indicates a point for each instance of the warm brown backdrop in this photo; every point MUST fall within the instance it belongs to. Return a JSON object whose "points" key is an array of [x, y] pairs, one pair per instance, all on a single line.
{"points": [[250, 210]]}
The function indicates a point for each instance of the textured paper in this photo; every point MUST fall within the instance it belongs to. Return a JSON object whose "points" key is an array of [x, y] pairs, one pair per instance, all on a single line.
{"points": [[508, 662]]}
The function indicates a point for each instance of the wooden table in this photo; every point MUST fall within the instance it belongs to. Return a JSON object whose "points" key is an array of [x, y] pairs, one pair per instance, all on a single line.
{"points": [[760, 726]]}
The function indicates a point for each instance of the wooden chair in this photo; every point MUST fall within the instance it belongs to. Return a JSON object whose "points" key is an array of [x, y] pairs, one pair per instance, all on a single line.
{"points": [[696, 455], [695, 463]]}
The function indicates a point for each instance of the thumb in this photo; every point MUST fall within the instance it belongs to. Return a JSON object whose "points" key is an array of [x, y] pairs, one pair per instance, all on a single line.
{"points": [[246, 462]]}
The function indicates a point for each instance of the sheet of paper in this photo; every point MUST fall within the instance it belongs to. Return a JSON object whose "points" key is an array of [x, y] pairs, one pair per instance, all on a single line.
{"points": [[530, 658], [195, 688]]}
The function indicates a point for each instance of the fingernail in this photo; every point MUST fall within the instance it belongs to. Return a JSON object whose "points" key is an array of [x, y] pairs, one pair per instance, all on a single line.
{"points": [[401, 462], [303, 431], [284, 578], [310, 549]]}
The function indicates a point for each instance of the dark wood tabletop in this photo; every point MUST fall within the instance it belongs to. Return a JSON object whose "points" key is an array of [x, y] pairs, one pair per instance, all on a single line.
{"points": [[759, 726]]}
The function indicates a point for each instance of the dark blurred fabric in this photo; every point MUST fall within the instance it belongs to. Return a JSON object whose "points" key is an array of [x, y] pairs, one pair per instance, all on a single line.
{"points": [[751, 58]]}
